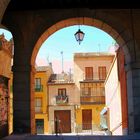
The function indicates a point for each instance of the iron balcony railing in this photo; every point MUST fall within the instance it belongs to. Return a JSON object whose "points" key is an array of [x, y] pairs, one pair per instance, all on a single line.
{"points": [[95, 77], [84, 99], [38, 88], [61, 99]]}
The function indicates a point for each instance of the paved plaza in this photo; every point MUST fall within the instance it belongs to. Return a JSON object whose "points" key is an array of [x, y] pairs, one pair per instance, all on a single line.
{"points": [[70, 137]]}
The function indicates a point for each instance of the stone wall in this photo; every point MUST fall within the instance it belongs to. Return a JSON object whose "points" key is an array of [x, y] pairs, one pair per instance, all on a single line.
{"points": [[4, 101]]}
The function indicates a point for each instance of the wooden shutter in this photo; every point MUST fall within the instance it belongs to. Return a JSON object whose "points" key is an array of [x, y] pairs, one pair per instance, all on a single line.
{"points": [[89, 73], [102, 73]]}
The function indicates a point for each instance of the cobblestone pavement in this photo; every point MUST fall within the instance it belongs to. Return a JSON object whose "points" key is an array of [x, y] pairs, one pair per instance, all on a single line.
{"points": [[69, 137]]}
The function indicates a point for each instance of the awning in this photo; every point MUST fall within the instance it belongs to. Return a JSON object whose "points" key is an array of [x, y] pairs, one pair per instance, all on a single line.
{"points": [[104, 111], [103, 119]]}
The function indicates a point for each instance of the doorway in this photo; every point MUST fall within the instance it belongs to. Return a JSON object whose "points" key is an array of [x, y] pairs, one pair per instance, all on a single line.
{"points": [[64, 120], [39, 126], [87, 119]]}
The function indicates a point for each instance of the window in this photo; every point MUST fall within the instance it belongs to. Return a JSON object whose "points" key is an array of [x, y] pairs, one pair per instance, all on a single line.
{"points": [[38, 86], [62, 92], [102, 73], [37, 82], [38, 105], [89, 73], [62, 97], [86, 91]]}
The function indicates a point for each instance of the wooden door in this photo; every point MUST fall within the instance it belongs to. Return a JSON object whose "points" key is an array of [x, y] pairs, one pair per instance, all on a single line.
{"points": [[63, 117], [86, 119]]}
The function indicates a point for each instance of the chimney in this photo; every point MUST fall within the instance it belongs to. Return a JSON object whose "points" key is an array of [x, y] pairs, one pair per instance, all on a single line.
{"points": [[50, 64]]}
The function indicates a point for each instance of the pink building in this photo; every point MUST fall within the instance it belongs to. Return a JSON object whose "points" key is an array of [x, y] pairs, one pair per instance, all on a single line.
{"points": [[116, 96], [61, 89]]}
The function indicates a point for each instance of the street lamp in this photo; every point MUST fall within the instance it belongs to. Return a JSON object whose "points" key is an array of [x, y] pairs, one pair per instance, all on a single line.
{"points": [[79, 35]]}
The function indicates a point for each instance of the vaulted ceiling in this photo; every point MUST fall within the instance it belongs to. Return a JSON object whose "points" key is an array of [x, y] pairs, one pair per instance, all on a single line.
{"points": [[59, 4]]}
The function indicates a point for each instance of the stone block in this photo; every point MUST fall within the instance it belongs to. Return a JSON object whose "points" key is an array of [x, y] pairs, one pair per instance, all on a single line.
{"points": [[136, 91], [137, 123], [136, 82], [136, 73]]}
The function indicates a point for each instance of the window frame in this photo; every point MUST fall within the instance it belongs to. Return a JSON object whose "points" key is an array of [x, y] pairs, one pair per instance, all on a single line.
{"points": [[89, 73], [102, 72], [62, 92]]}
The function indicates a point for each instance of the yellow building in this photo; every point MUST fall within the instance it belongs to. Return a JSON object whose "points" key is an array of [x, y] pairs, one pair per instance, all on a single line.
{"points": [[90, 70], [41, 100]]}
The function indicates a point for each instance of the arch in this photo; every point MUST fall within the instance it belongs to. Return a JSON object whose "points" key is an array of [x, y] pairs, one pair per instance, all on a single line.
{"points": [[3, 6], [83, 21], [116, 23], [122, 37]]}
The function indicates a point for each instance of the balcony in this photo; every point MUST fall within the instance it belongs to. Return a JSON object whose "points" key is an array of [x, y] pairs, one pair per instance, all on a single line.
{"points": [[92, 99], [61, 99], [95, 77], [38, 88]]}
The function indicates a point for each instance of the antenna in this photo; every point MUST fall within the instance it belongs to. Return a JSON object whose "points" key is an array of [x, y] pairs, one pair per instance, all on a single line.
{"points": [[48, 59], [62, 61], [99, 47], [70, 73]]}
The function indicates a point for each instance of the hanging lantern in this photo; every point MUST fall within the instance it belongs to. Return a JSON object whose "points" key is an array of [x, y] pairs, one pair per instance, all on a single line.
{"points": [[79, 35]]}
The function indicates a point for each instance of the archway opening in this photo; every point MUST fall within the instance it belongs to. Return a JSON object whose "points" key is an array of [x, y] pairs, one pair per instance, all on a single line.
{"points": [[77, 106]]}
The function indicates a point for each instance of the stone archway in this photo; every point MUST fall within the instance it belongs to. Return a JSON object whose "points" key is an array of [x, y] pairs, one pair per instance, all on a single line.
{"points": [[91, 22], [31, 28]]}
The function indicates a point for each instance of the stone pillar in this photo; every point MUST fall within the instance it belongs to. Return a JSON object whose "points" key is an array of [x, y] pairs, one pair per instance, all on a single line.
{"points": [[32, 93], [136, 95], [130, 102], [23, 100], [133, 90]]}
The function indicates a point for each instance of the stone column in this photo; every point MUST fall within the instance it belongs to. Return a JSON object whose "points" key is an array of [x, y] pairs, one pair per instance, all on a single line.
{"points": [[133, 89], [130, 101], [32, 93], [23, 100], [136, 95]]}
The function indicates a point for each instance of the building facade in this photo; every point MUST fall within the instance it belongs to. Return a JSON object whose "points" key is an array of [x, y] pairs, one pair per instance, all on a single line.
{"points": [[90, 70], [116, 96], [61, 90], [71, 103], [41, 98]]}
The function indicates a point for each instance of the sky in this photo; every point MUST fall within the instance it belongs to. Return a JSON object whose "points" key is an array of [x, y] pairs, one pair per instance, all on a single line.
{"points": [[95, 40], [7, 34]]}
